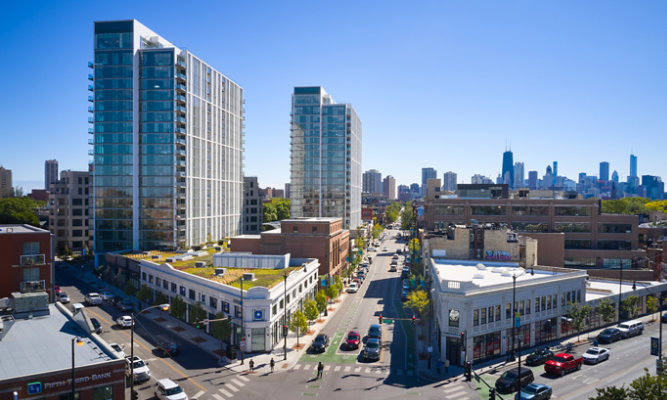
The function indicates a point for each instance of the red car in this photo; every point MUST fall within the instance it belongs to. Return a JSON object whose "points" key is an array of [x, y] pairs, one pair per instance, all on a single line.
{"points": [[562, 363], [353, 340], [57, 289]]}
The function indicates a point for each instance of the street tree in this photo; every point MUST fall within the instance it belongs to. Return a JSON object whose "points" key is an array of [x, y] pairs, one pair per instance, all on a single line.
{"points": [[630, 306], [145, 294], [310, 310], [221, 330], [611, 393], [197, 313], [178, 307], [298, 324], [332, 291], [161, 298], [646, 387], [652, 304], [418, 301], [19, 210], [321, 301], [606, 310], [129, 289], [579, 314]]}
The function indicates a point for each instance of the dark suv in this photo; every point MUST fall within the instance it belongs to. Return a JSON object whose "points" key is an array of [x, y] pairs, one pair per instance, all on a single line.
{"points": [[507, 381], [539, 356], [319, 344], [168, 348]]}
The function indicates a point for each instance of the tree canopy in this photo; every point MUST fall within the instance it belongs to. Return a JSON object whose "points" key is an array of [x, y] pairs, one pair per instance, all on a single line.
{"points": [[19, 210], [418, 301], [626, 205], [391, 212], [647, 387], [278, 209]]}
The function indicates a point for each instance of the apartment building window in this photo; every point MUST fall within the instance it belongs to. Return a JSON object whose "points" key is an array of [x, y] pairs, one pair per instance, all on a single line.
{"points": [[150, 278], [77, 233], [577, 244], [573, 211], [544, 303], [528, 307], [483, 316], [508, 311], [554, 301], [530, 210], [490, 314], [498, 312], [475, 317], [173, 288], [614, 228], [487, 210], [521, 309], [191, 294], [537, 304], [530, 226], [548, 302], [579, 296], [225, 307], [448, 210], [237, 312], [562, 299], [30, 248], [182, 290], [274, 310], [615, 244], [143, 276], [576, 227], [158, 281], [202, 298]]}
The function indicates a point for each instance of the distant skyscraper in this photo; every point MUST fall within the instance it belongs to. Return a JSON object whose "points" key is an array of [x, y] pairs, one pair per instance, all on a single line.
{"points": [[555, 174], [168, 143], [253, 210], [6, 188], [518, 175], [50, 173], [653, 186], [508, 168], [372, 181], [604, 171], [389, 187], [288, 191], [326, 157], [480, 179], [614, 176], [449, 183], [532, 180], [633, 165], [427, 173]]}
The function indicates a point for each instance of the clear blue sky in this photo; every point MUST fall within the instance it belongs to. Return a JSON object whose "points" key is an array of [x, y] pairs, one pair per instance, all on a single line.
{"points": [[441, 84]]}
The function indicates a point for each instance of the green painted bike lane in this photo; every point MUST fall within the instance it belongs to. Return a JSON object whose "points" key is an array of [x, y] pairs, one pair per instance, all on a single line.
{"points": [[331, 355], [484, 381]]}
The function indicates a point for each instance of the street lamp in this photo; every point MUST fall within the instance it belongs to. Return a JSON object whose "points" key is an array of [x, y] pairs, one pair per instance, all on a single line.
{"points": [[242, 325], [620, 291], [79, 342], [163, 307], [285, 317]]}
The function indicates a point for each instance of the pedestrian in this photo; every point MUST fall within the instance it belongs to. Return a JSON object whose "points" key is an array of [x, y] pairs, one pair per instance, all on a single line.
{"points": [[446, 365], [273, 364], [252, 365], [320, 368]]}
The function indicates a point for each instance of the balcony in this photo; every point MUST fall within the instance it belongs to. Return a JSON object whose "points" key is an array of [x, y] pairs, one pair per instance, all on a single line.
{"points": [[181, 87], [180, 142], [180, 76], [180, 183], [91, 131], [91, 109], [180, 152], [180, 130], [90, 64], [32, 259], [91, 88], [33, 286], [91, 120], [181, 163], [180, 98], [91, 77], [91, 141], [180, 119], [181, 109], [91, 99], [181, 64], [91, 152]]}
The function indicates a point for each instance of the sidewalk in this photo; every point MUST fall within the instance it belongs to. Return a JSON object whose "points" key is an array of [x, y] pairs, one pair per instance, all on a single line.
{"points": [[212, 345]]}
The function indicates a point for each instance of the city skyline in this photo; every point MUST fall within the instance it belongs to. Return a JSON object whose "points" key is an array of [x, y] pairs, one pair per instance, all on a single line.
{"points": [[556, 79]]}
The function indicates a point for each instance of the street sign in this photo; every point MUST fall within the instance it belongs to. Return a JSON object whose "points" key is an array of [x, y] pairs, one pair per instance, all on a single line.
{"points": [[655, 346], [517, 322], [387, 321]]}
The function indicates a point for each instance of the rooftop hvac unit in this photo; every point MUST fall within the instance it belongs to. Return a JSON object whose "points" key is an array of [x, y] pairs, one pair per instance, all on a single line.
{"points": [[478, 276], [249, 276], [220, 271], [200, 264]]}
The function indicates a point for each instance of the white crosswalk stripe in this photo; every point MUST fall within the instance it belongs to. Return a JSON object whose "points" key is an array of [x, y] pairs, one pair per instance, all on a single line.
{"points": [[347, 369], [357, 369], [368, 370], [199, 393], [306, 366], [231, 387], [327, 368], [217, 396], [226, 393], [337, 368], [243, 378], [237, 382], [452, 390]]}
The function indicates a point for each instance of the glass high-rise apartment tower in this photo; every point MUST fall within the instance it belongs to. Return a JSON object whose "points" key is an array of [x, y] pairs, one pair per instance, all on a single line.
{"points": [[325, 158], [168, 143]]}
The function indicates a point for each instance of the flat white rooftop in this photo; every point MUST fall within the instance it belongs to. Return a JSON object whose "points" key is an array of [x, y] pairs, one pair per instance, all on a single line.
{"points": [[485, 273], [43, 344], [598, 288]]}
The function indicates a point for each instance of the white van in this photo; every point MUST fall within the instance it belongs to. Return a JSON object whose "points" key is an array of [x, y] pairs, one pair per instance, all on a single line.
{"points": [[76, 307], [631, 328]]}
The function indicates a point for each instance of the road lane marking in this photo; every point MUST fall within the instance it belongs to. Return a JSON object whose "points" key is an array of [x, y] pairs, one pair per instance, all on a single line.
{"points": [[327, 368], [357, 369], [297, 366], [237, 382], [306, 366], [347, 369], [226, 393], [199, 393], [337, 368], [231, 387], [149, 350], [243, 378], [217, 396]]}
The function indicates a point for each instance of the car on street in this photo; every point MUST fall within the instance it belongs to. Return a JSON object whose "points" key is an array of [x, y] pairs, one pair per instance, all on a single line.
{"points": [[609, 335], [375, 332], [124, 305], [596, 354], [631, 328], [392, 268], [97, 327], [124, 321], [119, 350], [93, 299], [319, 344], [372, 350], [63, 297], [56, 289], [141, 371], [166, 389], [385, 249], [664, 318], [536, 391], [168, 348], [353, 339], [539, 356], [358, 281], [404, 294], [353, 287], [507, 381], [107, 295], [406, 285], [399, 251], [395, 257], [562, 363]]}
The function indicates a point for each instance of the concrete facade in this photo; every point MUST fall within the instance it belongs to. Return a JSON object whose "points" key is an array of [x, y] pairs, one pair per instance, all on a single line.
{"points": [[252, 206], [70, 211]]}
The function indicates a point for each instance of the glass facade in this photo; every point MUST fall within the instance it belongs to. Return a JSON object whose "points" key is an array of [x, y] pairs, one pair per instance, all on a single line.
{"points": [[572, 227], [487, 210], [530, 210], [573, 211]]}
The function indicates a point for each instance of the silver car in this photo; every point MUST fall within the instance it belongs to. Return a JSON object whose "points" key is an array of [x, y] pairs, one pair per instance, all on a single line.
{"points": [[596, 354]]}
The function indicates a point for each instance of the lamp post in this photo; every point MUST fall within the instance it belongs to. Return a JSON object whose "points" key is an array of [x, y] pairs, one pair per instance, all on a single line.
{"points": [[660, 323], [79, 342], [163, 307], [620, 291], [242, 324], [285, 318], [514, 311]]}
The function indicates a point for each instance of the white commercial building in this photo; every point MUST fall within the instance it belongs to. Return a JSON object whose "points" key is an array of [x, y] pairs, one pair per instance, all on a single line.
{"points": [[257, 313]]}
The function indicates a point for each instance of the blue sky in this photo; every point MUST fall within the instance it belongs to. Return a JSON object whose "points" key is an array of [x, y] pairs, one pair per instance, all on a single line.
{"points": [[443, 84]]}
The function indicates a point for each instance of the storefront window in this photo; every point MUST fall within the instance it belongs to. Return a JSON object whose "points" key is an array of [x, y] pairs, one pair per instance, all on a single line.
{"points": [[103, 393], [486, 346]]}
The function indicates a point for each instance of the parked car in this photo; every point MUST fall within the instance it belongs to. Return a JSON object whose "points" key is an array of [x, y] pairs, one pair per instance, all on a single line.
{"points": [[119, 350], [141, 371], [93, 299], [562, 363], [536, 391], [596, 354], [124, 321], [56, 289], [664, 318], [97, 327], [392, 268], [320, 344], [168, 348], [353, 287], [539, 356], [124, 305], [358, 281], [372, 349], [631, 328], [375, 332], [404, 294], [395, 257], [399, 251], [107, 295], [507, 381], [609, 335], [63, 297], [353, 340], [166, 389]]}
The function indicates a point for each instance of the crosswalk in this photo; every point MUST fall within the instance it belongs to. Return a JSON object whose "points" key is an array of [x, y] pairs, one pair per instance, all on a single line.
{"points": [[349, 368], [227, 389], [456, 392]]}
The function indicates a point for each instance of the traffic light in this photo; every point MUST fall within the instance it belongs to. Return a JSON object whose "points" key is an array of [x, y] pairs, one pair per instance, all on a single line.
{"points": [[135, 395], [492, 394], [468, 371], [413, 320], [284, 330], [198, 324], [380, 318]]}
